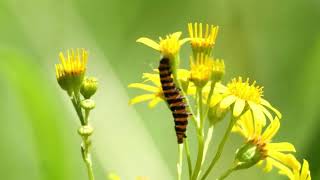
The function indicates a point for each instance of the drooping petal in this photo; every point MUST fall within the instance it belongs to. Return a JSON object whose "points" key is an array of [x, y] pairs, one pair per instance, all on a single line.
{"points": [[282, 146], [284, 170], [266, 112], [144, 87], [226, 102], [257, 113], [154, 102], [268, 105], [141, 98], [271, 130], [286, 159], [149, 42], [238, 107], [248, 123], [305, 172]]}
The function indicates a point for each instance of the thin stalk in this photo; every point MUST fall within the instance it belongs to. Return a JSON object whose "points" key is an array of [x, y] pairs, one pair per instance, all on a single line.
{"points": [[179, 164], [186, 143], [207, 141], [226, 174], [213, 84], [77, 107], [200, 135], [86, 156], [220, 148]]}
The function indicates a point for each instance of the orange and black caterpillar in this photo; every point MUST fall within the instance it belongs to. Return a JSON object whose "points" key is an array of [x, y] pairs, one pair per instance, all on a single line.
{"points": [[174, 99]]}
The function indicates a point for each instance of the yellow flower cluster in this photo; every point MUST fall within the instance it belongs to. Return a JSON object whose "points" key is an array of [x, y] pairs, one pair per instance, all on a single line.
{"points": [[254, 117]]}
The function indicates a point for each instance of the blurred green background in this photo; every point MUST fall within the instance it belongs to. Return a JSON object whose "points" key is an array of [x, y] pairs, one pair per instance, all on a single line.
{"points": [[274, 42]]}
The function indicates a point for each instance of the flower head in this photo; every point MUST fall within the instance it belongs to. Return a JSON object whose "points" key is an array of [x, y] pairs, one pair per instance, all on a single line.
{"points": [[155, 94], [70, 72], [201, 69], [169, 46], [243, 95], [259, 145], [202, 41]]}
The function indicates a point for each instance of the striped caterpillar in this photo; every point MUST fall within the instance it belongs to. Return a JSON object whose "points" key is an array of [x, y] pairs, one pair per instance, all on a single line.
{"points": [[174, 99]]}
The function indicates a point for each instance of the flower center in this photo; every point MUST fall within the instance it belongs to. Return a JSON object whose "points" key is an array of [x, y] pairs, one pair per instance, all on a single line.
{"points": [[169, 46], [245, 91]]}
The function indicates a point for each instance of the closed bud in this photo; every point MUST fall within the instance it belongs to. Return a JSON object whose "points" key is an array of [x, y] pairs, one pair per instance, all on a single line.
{"points": [[89, 87], [85, 131], [248, 155], [218, 70], [88, 104]]}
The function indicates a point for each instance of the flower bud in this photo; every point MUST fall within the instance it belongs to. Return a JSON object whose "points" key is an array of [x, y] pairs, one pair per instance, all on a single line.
{"points": [[248, 155], [218, 70], [85, 131], [216, 114], [89, 87], [88, 104]]}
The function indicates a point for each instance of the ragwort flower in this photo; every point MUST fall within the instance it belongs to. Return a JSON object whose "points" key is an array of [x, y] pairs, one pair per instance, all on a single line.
{"points": [[259, 147], [70, 72], [169, 46], [202, 41], [244, 96]]}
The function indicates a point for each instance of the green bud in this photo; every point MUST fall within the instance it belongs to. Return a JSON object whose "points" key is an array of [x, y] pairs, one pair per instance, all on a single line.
{"points": [[88, 87], [216, 114], [218, 70], [85, 131], [88, 104], [247, 156]]}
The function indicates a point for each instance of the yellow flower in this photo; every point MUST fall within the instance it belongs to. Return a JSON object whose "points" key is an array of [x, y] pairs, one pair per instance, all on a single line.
{"points": [[202, 41], [261, 146], [169, 46], [218, 70], [240, 95], [201, 69], [155, 94], [296, 172], [70, 72]]}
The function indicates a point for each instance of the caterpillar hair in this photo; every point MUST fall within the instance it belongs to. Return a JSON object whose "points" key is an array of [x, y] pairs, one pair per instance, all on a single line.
{"points": [[174, 99]]}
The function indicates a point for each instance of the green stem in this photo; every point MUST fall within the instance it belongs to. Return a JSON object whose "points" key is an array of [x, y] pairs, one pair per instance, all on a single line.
{"points": [[226, 174], [186, 143], [86, 156], [213, 84], [179, 164], [200, 136], [207, 141], [220, 149], [76, 104]]}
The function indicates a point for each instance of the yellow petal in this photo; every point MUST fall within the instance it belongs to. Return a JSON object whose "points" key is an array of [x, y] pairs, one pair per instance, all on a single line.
{"points": [[182, 41], [238, 107], [257, 113], [271, 130], [141, 98], [266, 112], [154, 78], [286, 159], [176, 35], [227, 101], [154, 102], [248, 123], [282, 168], [149, 42], [268, 105], [144, 87], [305, 172], [268, 166], [282, 146]]}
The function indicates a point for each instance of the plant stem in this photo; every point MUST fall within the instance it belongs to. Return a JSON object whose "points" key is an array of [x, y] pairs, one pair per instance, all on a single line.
{"points": [[200, 135], [186, 142], [220, 148], [76, 104], [226, 174], [207, 141], [86, 156], [213, 84], [179, 164]]}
